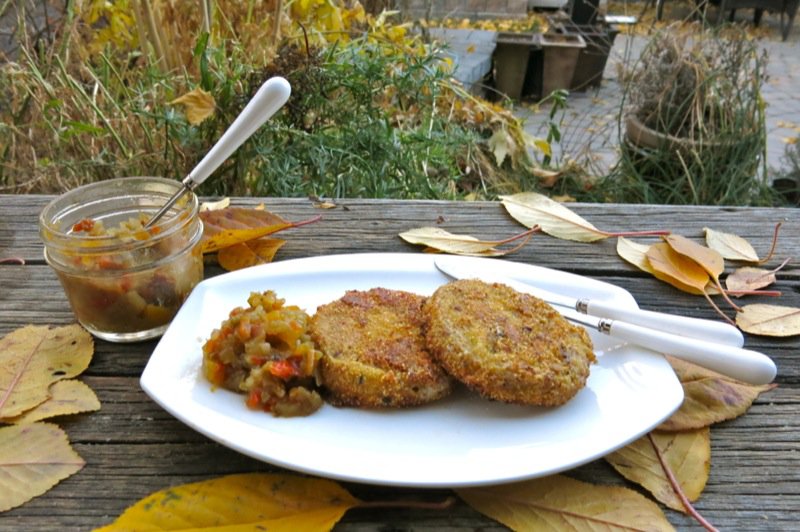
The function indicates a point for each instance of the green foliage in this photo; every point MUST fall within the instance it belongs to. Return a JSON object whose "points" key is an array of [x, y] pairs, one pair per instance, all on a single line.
{"points": [[787, 182], [370, 116], [362, 124]]}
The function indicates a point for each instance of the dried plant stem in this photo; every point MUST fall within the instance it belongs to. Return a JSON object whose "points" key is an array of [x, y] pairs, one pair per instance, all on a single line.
{"points": [[676, 487], [77, 89], [206, 16], [772, 248], [141, 23], [418, 505], [719, 310], [276, 22]]}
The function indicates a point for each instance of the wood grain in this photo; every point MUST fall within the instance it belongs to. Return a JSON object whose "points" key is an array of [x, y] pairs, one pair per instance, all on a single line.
{"points": [[132, 447]]}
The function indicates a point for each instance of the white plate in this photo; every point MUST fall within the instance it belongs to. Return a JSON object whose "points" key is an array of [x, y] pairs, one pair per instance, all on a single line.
{"points": [[460, 441]]}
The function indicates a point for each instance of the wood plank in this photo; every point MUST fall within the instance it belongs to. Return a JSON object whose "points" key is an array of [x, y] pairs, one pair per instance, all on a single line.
{"points": [[374, 224], [132, 447]]}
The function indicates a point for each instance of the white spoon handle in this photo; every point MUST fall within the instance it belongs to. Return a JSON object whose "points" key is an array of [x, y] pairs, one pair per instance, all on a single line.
{"points": [[741, 364], [266, 102]]}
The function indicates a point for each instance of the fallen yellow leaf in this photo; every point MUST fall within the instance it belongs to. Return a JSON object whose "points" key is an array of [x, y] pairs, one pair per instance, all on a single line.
{"points": [[251, 253], [66, 397], [561, 503], [235, 225], [769, 320], [687, 454], [679, 271], [532, 209], [730, 246], [747, 279], [33, 459], [708, 259], [197, 104], [634, 253], [709, 397], [34, 357], [440, 240], [253, 501]]}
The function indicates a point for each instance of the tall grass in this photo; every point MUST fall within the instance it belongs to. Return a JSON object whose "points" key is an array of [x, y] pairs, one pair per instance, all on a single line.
{"points": [[702, 96], [373, 112]]}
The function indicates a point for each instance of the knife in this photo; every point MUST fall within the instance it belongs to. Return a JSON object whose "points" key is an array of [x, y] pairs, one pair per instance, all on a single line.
{"points": [[711, 331], [741, 364]]}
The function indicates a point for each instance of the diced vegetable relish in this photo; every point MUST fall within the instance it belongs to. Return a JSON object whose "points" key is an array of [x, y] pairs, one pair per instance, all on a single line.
{"points": [[265, 352], [139, 287]]}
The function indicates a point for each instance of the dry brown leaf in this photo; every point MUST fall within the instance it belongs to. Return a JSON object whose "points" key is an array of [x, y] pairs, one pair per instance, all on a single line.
{"points": [[532, 209], [34, 357], [251, 253], [561, 503], [748, 279], [235, 225], [709, 397], [730, 246], [769, 320], [687, 454], [33, 459], [440, 240], [681, 272], [66, 397], [502, 145], [250, 501], [197, 104], [547, 178]]}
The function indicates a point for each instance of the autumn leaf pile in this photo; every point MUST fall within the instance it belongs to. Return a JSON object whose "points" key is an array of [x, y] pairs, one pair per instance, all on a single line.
{"points": [[37, 382], [677, 260]]}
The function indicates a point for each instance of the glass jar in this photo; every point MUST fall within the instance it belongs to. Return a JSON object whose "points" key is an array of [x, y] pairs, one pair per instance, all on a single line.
{"points": [[123, 282]]}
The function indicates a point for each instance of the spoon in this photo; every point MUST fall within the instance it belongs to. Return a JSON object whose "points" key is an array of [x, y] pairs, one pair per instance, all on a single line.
{"points": [[270, 97]]}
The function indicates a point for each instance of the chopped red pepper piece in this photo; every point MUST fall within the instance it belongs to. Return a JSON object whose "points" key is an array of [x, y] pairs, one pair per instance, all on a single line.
{"points": [[86, 224]]}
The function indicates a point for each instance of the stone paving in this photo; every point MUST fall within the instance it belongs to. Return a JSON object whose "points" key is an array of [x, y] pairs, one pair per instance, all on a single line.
{"points": [[590, 129]]}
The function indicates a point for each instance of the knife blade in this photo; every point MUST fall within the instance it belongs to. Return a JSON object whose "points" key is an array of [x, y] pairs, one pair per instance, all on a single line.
{"points": [[742, 364], [708, 330]]}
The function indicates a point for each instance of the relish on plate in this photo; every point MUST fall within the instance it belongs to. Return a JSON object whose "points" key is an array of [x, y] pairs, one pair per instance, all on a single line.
{"points": [[265, 352]]}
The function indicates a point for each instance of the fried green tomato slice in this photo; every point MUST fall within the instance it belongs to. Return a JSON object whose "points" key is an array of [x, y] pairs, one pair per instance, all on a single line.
{"points": [[374, 352], [506, 345]]}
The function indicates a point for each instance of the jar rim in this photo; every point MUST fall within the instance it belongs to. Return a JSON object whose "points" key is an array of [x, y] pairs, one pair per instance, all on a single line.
{"points": [[127, 188], [66, 268]]}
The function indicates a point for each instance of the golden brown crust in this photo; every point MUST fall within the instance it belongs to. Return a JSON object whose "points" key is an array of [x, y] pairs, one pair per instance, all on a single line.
{"points": [[374, 350], [505, 345]]}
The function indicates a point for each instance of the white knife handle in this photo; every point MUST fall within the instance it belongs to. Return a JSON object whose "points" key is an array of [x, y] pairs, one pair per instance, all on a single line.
{"points": [[266, 102], [711, 331], [741, 364]]}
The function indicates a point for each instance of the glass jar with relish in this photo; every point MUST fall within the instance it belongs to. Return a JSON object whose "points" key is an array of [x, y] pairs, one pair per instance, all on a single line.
{"points": [[123, 281]]}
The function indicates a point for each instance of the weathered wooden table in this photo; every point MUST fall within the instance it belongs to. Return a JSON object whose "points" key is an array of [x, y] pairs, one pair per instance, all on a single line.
{"points": [[132, 447]]}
